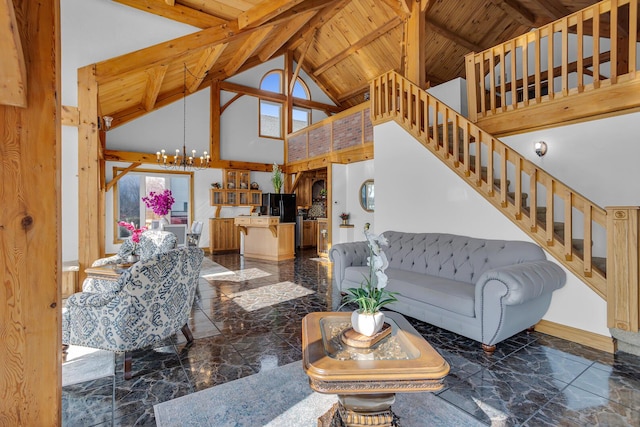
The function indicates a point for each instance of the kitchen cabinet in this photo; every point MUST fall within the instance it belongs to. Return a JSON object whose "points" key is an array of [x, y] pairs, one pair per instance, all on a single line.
{"points": [[236, 191], [224, 236], [309, 233]]}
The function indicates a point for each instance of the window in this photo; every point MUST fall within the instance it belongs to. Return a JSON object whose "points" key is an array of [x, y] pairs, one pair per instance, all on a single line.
{"points": [[130, 189], [271, 113]]}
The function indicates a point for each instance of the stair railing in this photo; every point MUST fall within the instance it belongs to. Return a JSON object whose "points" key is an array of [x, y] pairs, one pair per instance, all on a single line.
{"points": [[556, 60], [557, 216]]}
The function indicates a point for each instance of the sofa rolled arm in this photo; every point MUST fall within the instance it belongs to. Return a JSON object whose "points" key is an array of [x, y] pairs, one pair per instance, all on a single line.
{"points": [[524, 281], [345, 255]]}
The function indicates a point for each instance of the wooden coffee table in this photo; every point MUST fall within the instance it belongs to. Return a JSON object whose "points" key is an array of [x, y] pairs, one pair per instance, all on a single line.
{"points": [[366, 380]]}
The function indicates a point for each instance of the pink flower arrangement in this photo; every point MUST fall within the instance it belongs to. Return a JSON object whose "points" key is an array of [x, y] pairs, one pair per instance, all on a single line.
{"points": [[159, 203], [135, 232]]}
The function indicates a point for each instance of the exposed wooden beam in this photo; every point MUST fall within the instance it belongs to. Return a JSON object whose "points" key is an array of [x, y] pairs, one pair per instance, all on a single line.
{"points": [[70, 116], [208, 57], [13, 72], [155, 76], [176, 12], [231, 101], [250, 45], [359, 44], [400, 7], [321, 18], [30, 225], [122, 173], [414, 58], [167, 52], [436, 28], [292, 82], [262, 12], [283, 35], [150, 158], [214, 123], [277, 97], [516, 10]]}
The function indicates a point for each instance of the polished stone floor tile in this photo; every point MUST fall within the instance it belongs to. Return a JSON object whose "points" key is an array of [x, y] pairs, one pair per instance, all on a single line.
{"points": [[249, 320]]}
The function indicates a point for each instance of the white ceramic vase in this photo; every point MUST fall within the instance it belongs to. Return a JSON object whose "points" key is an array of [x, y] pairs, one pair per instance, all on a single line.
{"points": [[367, 324]]}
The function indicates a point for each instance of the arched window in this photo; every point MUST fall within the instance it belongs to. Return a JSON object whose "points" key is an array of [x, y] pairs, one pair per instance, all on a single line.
{"points": [[271, 112]]}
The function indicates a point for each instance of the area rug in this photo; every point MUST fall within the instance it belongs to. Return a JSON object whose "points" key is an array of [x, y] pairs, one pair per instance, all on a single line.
{"points": [[85, 364], [281, 397]]}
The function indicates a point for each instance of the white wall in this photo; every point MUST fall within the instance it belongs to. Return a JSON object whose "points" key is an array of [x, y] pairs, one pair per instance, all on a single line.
{"points": [[605, 154], [424, 195], [346, 182]]}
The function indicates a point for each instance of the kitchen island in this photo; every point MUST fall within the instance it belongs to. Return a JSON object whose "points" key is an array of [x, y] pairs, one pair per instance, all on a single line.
{"points": [[265, 237]]}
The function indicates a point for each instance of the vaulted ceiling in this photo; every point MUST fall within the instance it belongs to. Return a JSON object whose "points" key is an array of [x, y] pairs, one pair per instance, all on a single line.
{"points": [[341, 44]]}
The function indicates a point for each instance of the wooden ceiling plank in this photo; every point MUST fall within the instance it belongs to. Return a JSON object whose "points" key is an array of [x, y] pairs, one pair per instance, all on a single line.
{"points": [[284, 34], [553, 8], [453, 37], [399, 7], [250, 45], [155, 77], [263, 12], [170, 2], [388, 26], [517, 11], [207, 59], [316, 22], [176, 12], [13, 71]]}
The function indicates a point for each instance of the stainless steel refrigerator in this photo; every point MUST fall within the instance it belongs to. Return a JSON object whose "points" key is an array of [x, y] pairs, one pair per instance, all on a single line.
{"points": [[280, 205]]}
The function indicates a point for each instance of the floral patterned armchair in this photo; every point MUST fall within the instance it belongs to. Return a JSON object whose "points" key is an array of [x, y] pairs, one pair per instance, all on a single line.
{"points": [[150, 302], [152, 242]]}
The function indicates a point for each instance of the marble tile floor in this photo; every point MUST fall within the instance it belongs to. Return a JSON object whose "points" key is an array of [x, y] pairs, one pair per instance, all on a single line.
{"points": [[253, 321]]}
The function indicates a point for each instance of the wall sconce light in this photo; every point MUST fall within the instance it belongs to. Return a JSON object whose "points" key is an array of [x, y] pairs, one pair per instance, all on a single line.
{"points": [[107, 121], [541, 148]]}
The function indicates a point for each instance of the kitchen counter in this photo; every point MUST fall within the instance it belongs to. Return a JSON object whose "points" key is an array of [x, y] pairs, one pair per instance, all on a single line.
{"points": [[265, 237]]}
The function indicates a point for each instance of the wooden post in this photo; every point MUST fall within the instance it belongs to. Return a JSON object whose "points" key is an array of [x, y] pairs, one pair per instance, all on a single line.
{"points": [[623, 277], [472, 87], [214, 147], [90, 219], [415, 58], [30, 226]]}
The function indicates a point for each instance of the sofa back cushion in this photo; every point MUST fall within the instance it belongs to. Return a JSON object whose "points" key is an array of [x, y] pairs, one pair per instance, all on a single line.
{"points": [[455, 257]]}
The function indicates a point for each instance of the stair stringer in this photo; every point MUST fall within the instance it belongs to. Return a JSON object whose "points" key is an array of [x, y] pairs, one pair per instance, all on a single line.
{"points": [[417, 112]]}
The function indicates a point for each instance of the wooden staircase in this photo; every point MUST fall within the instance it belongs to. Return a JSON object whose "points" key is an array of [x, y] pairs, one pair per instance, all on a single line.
{"points": [[546, 209]]}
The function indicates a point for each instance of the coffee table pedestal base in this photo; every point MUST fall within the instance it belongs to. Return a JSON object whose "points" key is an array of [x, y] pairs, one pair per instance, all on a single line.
{"points": [[364, 410]]}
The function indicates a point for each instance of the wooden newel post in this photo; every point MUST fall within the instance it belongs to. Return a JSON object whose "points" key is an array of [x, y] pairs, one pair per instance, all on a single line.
{"points": [[623, 277]]}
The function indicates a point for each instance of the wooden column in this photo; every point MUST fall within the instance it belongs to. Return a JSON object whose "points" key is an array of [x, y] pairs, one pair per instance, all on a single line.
{"points": [[623, 277], [90, 218], [30, 150], [214, 147], [414, 66], [288, 87]]}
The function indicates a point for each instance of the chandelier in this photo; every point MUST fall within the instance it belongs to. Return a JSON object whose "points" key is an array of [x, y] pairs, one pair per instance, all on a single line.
{"points": [[181, 160]]}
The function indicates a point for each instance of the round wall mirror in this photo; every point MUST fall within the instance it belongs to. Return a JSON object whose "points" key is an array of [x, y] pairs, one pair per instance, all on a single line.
{"points": [[367, 196]]}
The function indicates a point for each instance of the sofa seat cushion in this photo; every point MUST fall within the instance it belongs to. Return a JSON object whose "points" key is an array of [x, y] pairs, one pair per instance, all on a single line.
{"points": [[458, 297]]}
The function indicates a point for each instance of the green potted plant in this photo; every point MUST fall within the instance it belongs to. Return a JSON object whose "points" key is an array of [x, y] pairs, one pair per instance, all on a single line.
{"points": [[371, 296], [276, 178]]}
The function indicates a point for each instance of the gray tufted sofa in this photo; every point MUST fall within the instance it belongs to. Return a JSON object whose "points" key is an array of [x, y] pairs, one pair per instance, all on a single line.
{"points": [[486, 290]]}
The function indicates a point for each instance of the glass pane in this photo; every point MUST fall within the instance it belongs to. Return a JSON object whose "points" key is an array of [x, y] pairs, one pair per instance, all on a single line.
{"points": [[128, 203], [299, 91], [271, 82], [180, 208], [300, 118], [270, 119]]}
